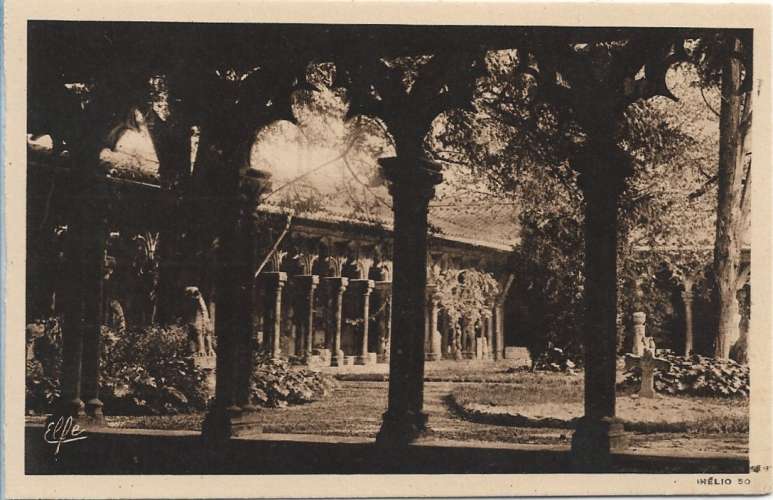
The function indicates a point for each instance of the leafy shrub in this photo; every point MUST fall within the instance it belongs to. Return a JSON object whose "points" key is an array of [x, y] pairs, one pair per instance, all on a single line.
{"points": [[143, 371], [42, 372], [697, 376], [148, 371], [275, 384], [554, 359]]}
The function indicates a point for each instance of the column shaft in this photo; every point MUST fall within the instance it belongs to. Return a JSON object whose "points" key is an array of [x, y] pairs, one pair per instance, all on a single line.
{"points": [[366, 289], [308, 285], [274, 283], [338, 287], [72, 322], [412, 187], [602, 177], [95, 244], [687, 297]]}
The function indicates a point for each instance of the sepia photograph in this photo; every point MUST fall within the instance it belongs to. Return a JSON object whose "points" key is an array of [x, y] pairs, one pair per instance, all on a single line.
{"points": [[380, 247]]}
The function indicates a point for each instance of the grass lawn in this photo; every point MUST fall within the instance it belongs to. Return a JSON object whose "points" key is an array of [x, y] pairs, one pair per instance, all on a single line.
{"points": [[556, 400], [355, 409]]}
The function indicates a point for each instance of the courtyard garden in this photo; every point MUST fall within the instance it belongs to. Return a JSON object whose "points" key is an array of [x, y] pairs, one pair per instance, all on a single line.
{"points": [[487, 403], [366, 243]]}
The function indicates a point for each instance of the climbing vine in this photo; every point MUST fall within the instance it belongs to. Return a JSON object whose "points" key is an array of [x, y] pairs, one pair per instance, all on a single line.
{"points": [[467, 296]]}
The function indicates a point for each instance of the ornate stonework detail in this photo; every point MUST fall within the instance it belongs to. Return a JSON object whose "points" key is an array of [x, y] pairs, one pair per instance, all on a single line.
{"points": [[336, 264], [198, 323], [385, 268], [363, 265], [416, 180], [275, 261], [433, 273], [306, 261]]}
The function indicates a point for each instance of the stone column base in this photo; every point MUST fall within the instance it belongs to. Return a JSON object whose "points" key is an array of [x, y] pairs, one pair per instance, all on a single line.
{"points": [[594, 441], [223, 423], [68, 415], [431, 356], [402, 429], [368, 359], [337, 359], [94, 412]]}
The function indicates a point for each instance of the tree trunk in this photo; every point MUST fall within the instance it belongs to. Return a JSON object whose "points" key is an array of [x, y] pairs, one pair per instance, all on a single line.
{"points": [[726, 247]]}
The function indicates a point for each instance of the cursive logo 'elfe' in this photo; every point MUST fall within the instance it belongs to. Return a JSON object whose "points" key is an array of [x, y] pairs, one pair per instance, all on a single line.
{"points": [[62, 431]]}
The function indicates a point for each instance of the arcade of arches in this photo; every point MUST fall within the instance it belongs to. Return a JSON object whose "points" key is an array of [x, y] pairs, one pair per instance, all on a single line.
{"points": [[231, 82]]}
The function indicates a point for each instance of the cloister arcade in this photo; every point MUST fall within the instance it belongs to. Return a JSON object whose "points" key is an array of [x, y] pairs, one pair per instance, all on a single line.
{"points": [[231, 81]]}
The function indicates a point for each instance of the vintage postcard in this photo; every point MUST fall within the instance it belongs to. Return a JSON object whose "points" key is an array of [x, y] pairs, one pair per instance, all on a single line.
{"points": [[398, 249]]}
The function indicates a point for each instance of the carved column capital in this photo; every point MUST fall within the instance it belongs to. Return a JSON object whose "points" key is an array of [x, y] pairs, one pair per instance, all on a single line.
{"points": [[336, 265], [275, 262], [306, 260], [414, 178], [253, 184]]}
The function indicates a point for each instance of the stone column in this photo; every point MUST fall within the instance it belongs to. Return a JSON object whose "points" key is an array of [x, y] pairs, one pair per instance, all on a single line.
{"points": [[338, 286], [274, 283], [252, 186], [82, 301], [388, 319], [687, 298], [489, 322], [308, 285], [93, 275], [70, 402], [236, 202], [433, 341], [383, 289], [445, 336], [366, 287], [412, 182], [603, 168], [499, 318], [639, 332]]}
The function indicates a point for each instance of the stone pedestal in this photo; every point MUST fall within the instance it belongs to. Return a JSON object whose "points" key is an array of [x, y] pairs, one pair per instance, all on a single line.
{"points": [[337, 288], [207, 365], [639, 333], [412, 182], [594, 441], [223, 423]]}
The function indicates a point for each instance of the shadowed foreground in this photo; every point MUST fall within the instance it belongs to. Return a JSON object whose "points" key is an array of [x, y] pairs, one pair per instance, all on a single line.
{"points": [[130, 451]]}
